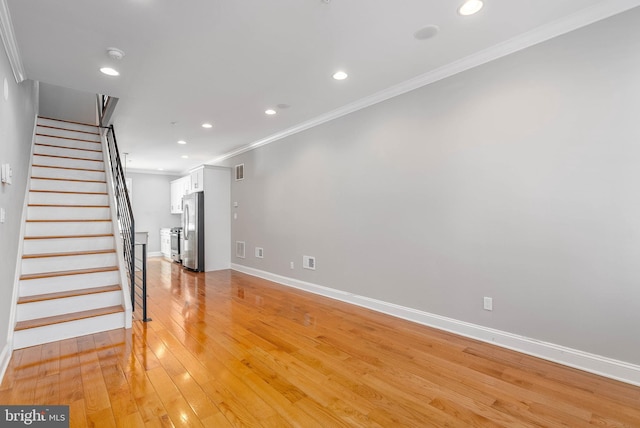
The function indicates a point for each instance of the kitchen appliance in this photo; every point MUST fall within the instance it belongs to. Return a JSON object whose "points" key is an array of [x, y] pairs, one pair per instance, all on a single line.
{"points": [[193, 231], [176, 244]]}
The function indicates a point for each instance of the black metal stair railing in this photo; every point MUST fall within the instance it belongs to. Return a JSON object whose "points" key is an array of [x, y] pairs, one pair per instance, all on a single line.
{"points": [[137, 272]]}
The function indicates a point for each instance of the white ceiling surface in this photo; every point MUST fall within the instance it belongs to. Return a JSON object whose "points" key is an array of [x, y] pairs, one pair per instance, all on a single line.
{"points": [[226, 61]]}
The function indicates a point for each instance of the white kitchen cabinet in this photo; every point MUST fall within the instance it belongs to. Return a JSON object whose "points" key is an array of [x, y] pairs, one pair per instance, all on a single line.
{"points": [[197, 180], [186, 185], [165, 242], [176, 197], [179, 188]]}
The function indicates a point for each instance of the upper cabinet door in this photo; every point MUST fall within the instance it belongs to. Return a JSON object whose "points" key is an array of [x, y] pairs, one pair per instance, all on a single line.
{"points": [[176, 197], [197, 180], [179, 188]]}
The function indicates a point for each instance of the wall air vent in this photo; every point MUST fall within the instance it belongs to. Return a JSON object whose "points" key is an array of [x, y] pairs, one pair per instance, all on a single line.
{"points": [[240, 249], [309, 262], [240, 172]]}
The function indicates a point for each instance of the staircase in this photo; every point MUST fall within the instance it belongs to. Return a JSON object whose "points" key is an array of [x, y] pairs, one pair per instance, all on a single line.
{"points": [[70, 283]]}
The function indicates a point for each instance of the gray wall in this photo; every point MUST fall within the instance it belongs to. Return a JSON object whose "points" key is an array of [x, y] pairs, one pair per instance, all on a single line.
{"points": [[518, 180], [67, 104], [17, 115], [151, 202]]}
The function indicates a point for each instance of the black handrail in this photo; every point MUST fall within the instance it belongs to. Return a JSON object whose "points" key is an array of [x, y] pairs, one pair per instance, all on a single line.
{"points": [[126, 220]]}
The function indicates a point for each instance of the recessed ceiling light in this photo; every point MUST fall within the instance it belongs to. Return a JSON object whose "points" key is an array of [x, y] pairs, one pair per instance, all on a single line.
{"points": [[427, 32], [470, 7], [270, 112], [160, 169], [185, 157], [340, 75], [182, 142], [109, 71], [207, 125]]}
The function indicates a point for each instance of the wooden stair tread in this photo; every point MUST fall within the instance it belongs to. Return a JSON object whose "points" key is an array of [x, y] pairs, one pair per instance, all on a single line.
{"points": [[65, 294], [67, 273], [67, 129], [99, 235], [67, 254], [67, 157], [40, 322], [68, 138], [67, 147], [68, 179]]}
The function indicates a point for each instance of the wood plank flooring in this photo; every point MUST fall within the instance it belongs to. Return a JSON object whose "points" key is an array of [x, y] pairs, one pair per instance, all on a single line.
{"points": [[228, 349]]}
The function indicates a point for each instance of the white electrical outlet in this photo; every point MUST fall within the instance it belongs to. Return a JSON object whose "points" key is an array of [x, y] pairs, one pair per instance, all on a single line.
{"points": [[3, 215], [292, 265], [488, 304], [259, 253]]}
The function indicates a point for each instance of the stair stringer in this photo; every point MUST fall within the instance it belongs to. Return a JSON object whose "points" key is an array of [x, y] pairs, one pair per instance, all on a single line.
{"points": [[122, 267], [8, 351]]}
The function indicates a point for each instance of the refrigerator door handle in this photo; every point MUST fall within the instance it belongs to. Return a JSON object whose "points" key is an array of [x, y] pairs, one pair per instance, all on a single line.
{"points": [[185, 215]]}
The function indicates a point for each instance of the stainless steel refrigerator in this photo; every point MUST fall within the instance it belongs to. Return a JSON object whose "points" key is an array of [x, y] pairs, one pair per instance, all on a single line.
{"points": [[193, 231]]}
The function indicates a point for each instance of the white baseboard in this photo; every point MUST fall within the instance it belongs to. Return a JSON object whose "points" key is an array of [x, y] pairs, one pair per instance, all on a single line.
{"points": [[154, 254], [5, 357], [597, 364]]}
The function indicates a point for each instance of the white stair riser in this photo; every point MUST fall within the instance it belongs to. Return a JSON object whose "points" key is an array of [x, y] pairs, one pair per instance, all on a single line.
{"points": [[68, 186], [57, 228], [65, 152], [74, 174], [58, 264], [70, 213], [67, 125], [43, 246], [69, 143], [68, 228], [76, 135], [67, 198], [57, 284], [50, 308], [55, 332], [68, 163]]}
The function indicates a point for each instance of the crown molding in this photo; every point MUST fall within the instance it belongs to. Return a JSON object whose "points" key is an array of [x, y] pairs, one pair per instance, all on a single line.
{"points": [[546, 32], [10, 44], [153, 172]]}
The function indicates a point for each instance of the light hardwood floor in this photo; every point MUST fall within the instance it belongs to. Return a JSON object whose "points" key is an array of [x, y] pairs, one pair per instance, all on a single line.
{"points": [[228, 349]]}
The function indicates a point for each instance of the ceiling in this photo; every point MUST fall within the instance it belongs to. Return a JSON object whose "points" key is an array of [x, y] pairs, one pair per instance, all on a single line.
{"points": [[225, 62]]}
